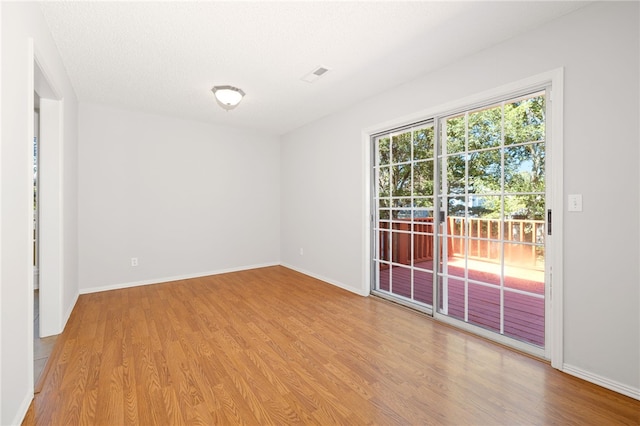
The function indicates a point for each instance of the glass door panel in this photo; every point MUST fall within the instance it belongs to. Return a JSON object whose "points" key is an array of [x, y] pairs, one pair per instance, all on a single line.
{"points": [[492, 197], [403, 220]]}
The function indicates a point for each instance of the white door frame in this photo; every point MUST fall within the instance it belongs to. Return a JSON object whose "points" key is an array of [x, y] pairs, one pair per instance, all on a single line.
{"points": [[50, 173], [554, 350]]}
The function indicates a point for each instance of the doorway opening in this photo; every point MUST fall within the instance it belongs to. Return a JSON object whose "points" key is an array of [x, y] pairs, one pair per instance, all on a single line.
{"points": [[46, 190]]}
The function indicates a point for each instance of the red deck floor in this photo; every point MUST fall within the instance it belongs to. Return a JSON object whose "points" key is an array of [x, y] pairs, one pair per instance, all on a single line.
{"points": [[523, 313]]}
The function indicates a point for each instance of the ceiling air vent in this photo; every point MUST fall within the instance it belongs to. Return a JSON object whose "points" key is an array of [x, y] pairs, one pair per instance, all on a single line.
{"points": [[315, 74]]}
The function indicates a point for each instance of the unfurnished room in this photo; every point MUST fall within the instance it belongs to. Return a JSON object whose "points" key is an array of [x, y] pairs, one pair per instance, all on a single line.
{"points": [[320, 212]]}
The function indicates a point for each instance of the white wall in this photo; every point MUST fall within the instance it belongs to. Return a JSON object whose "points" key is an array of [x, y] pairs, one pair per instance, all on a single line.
{"points": [[185, 198], [322, 177], [21, 22]]}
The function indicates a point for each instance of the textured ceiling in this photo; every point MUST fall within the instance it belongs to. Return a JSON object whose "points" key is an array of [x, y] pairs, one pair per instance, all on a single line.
{"points": [[164, 57]]}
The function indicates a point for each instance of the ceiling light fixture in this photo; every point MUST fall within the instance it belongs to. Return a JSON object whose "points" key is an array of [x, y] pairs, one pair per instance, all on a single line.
{"points": [[228, 97]]}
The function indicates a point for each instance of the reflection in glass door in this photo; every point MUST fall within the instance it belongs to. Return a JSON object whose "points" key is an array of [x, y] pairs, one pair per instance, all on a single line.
{"points": [[492, 194], [403, 224]]}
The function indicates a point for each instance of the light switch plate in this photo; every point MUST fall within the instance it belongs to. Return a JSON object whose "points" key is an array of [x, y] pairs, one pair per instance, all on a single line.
{"points": [[575, 202]]}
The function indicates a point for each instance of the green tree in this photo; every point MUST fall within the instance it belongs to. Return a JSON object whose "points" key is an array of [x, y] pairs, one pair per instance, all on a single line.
{"points": [[486, 152]]}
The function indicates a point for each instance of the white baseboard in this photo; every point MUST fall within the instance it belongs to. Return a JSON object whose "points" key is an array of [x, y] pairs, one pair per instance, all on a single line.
{"points": [[174, 278], [68, 313], [602, 381], [24, 407], [327, 280]]}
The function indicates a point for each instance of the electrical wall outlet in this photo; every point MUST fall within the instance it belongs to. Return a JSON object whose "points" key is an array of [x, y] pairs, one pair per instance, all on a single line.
{"points": [[301, 251], [134, 261]]}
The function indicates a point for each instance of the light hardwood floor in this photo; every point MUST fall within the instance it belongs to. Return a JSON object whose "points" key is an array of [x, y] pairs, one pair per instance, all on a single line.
{"points": [[272, 346]]}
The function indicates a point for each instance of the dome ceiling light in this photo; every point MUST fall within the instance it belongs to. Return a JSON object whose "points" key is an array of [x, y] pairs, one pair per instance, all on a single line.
{"points": [[228, 97]]}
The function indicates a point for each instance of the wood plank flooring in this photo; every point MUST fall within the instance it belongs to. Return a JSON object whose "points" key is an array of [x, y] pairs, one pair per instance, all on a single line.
{"points": [[272, 346]]}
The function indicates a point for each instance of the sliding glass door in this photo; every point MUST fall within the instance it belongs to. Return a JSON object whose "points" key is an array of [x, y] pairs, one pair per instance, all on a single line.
{"points": [[459, 213], [492, 195]]}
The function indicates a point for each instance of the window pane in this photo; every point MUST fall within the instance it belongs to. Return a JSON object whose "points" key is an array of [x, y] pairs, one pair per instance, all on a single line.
{"points": [[403, 202], [424, 202], [382, 151], [423, 226], [401, 176], [484, 307], [523, 231], [454, 289], [455, 134], [529, 280], [401, 148], [423, 178], [402, 210], [402, 220], [456, 247], [384, 252], [423, 286], [457, 227], [456, 206], [384, 184], [423, 209], [401, 281], [401, 246], [455, 179], [524, 207], [526, 256], [486, 206], [485, 128], [524, 317], [485, 171], [423, 246], [524, 120], [384, 276], [423, 143], [486, 228], [487, 268], [524, 168]]}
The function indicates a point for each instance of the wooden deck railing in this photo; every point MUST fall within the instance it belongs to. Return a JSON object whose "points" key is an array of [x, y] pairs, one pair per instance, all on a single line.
{"points": [[524, 240], [400, 248]]}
